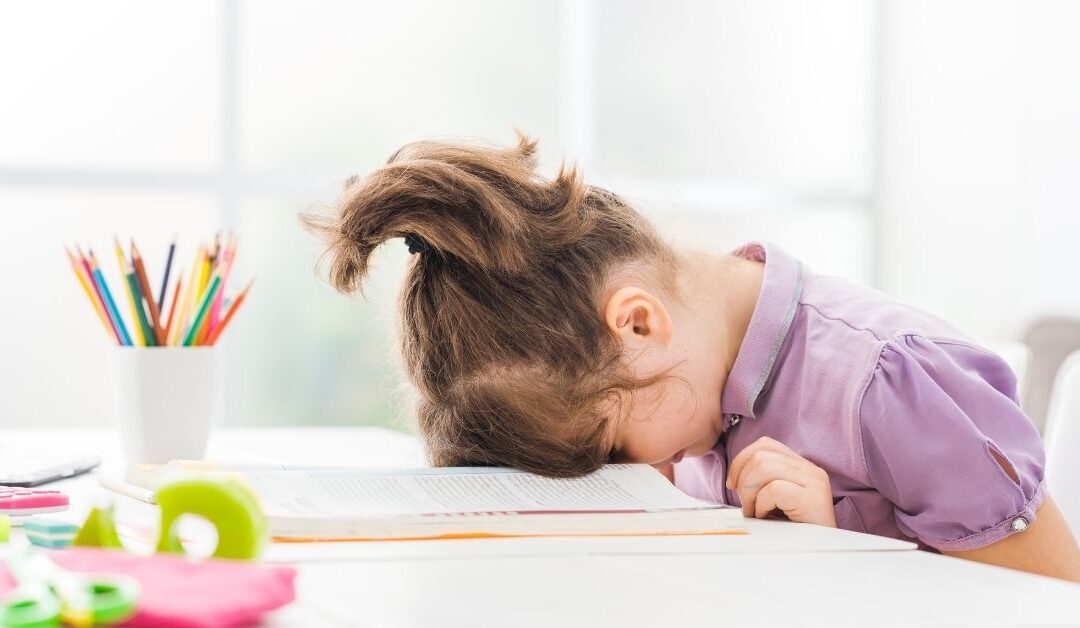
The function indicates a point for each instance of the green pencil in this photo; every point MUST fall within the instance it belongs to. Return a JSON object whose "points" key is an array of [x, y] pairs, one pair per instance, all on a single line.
{"points": [[204, 307], [133, 285]]}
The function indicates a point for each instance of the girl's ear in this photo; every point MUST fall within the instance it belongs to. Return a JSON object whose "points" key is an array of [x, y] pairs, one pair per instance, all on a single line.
{"points": [[638, 318]]}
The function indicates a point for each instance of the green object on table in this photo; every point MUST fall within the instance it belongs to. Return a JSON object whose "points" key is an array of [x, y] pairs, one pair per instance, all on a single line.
{"points": [[47, 594], [227, 504], [5, 528], [99, 530]]}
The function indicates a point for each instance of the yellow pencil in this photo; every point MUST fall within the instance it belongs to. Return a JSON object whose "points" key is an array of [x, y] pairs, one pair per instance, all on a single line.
{"points": [[121, 263], [80, 274], [204, 275]]}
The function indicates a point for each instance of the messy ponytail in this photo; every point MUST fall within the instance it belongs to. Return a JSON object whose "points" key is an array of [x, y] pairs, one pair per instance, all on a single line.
{"points": [[501, 328]]}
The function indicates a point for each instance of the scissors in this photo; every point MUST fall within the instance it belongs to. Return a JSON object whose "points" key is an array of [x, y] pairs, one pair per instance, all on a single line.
{"points": [[47, 595]]}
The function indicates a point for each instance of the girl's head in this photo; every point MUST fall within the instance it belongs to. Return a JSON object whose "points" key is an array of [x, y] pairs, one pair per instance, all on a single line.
{"points": [[536, 314]]}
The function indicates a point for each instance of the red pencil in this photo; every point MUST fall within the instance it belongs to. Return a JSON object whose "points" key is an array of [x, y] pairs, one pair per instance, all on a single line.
{"points": [[212, 338], [85, 261], [172, 307]]}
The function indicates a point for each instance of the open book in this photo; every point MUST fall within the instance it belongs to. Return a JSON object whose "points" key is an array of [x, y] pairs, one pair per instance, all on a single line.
{"points": [[462, 502]]}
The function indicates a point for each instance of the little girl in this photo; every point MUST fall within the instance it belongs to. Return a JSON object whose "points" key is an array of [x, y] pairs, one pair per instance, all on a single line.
{"points": [[547, 327]]}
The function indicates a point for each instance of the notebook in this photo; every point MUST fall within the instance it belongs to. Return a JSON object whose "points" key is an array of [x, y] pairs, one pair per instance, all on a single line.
{"points": [[465, 502]]}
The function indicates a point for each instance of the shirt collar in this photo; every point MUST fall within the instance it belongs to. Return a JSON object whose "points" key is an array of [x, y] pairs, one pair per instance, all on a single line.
{"points": [[781, 288]]}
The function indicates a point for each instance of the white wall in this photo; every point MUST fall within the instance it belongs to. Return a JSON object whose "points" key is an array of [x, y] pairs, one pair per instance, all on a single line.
{"points": [[979, 193]]}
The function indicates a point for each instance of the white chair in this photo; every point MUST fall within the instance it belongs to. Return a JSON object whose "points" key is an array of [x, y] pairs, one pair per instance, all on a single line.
{"points": [[1051, 340], [1062, 437]]}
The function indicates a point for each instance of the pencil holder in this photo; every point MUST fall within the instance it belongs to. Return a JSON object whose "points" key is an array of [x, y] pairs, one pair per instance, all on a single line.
{"points": [[168, 399]]}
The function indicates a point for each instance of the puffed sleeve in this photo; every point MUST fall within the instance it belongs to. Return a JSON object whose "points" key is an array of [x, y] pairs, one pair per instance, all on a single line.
{"points": [[945, 441]]}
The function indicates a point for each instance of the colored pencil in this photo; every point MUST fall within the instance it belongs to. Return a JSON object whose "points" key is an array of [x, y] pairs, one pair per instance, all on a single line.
{"points": [[90, 274], [204, 275], [133, 303], [84, 281], [215, 252], [147, 295], [200, 286], [140, 312], [178, 318], [204, 326], [172, 308], [204, 308], [198, 308], [109, 302], [229, 314], [229, 256], [184, 313], [165, 277]]}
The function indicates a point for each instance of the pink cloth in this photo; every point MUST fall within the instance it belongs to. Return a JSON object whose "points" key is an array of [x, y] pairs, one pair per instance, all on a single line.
{"points": [[181, 593]]}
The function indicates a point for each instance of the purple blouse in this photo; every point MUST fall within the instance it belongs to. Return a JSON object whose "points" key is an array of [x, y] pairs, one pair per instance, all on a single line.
{"points": [[918, 428]]}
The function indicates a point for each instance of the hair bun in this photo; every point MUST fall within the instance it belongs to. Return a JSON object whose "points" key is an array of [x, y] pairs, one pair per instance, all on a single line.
{"points": [[480, 204]]}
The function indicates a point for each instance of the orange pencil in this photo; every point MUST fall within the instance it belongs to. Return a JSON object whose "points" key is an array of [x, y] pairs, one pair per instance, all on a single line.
{"points": [[212, 338], [172, 307], [148, 295]]}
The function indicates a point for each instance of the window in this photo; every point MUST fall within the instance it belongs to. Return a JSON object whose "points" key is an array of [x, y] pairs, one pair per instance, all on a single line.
{"points": [[723, 121]]}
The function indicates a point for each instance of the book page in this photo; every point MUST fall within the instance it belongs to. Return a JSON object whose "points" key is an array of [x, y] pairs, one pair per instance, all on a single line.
{"points": [[463, 490]]}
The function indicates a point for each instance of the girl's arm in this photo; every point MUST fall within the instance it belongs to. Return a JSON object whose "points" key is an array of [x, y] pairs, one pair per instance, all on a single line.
{"points": [[1046, 548]]}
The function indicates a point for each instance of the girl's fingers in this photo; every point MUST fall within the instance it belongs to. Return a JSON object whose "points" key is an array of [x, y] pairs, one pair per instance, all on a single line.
{"points": [[777, 494], [743, 457], [802, 471], [768, 467]]}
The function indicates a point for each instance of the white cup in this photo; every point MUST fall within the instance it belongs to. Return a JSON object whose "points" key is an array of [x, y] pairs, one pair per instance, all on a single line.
{"points": [[168, 398]]}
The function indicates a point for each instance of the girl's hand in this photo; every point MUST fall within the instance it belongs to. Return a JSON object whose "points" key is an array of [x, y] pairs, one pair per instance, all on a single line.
{"points": [[768, 475]]}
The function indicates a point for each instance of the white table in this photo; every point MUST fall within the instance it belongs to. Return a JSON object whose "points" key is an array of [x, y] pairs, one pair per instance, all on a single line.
{"points": [[781, 573]]}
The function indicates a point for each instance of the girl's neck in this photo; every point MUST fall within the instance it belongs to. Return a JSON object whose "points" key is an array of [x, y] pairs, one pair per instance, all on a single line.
{"points": [[720, 293]]}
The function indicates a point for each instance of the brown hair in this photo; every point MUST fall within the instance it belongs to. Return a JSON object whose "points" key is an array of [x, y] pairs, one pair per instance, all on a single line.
{"points": [[501, 328]]}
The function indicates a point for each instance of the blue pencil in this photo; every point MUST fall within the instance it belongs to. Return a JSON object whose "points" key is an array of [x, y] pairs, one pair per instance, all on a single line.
{"points": [[165, 278], [99, 279]]}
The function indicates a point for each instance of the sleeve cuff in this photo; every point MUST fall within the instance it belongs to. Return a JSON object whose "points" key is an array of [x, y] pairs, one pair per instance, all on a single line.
{"points": [[1013, 524]]}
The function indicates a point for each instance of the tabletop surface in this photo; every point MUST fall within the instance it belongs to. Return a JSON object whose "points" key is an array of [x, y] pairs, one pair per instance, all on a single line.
{"points": [[780, 573]]}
